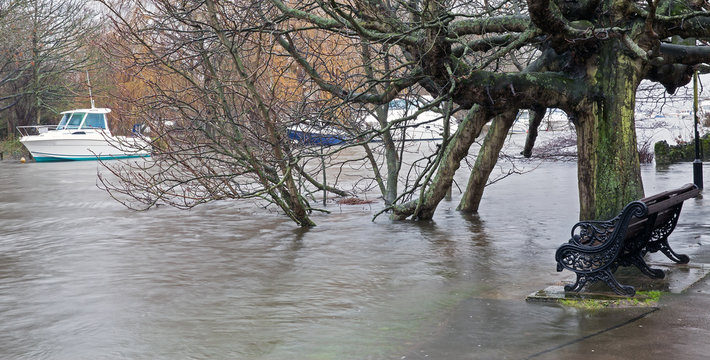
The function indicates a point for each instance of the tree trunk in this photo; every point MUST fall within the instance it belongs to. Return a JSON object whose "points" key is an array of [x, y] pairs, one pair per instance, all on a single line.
{"points": [[424, 207], [391, 157], [10, 127], [389, 188], [486, 161], [608, 164]]}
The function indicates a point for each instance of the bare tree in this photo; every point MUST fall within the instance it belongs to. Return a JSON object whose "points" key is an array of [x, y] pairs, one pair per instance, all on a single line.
{"points": [[44, 55], [590, 58], [217, 108], [486, 60], [11, 66]]}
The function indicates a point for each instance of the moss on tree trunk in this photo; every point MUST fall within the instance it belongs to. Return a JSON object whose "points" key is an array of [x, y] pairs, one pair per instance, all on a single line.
{"points": [[608, 165]]}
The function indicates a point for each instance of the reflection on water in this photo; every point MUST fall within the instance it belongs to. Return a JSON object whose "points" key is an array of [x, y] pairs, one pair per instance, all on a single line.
{"points": [[81, 277]]}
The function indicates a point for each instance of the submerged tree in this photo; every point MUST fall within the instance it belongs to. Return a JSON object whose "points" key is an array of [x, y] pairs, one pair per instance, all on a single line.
{"points": [[486, 60], [590, 57], [218, 102], [218, 95]]}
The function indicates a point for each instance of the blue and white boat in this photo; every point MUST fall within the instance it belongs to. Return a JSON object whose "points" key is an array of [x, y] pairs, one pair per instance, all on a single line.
{"points": [[312, 134], [82, 134]]}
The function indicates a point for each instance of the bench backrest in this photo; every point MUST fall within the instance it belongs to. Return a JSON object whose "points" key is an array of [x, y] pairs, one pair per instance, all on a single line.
{"points": [[663, 206]]}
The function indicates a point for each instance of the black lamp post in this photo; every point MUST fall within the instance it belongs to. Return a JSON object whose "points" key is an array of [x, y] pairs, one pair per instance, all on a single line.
{"points": [[698, 163]]}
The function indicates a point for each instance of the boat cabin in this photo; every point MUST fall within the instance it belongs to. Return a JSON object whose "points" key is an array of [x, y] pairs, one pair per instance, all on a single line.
{"points": [[84, 119]]}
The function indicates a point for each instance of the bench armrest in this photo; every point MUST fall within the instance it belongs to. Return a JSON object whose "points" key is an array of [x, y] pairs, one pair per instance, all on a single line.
{"points": [[586, 259], [592, 233], [596, 233]]}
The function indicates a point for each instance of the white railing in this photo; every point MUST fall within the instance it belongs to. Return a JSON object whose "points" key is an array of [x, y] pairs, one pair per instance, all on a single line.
{"points": [[35, 129]]}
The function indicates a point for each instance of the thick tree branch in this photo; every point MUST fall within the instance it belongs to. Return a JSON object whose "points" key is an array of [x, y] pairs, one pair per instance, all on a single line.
{"points": [[697, 28], [675, 67], [496, 24], [484, 44], [536, 117], [501, 91], [690, 24], [546, 15], [682, 54]]}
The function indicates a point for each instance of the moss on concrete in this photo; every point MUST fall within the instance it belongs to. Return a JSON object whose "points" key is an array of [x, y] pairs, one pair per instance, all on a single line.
{"points": [[641, 299]]}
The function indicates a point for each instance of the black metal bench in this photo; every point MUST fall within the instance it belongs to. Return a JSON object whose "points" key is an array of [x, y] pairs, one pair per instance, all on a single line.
{"points": [[598, 248]]}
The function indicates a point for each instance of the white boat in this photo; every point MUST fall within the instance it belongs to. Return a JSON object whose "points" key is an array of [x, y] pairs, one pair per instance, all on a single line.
{"points": [[427, 125], [82, 134]]}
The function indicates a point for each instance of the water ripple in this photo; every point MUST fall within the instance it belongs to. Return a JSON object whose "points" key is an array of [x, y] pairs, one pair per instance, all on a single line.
{"points": [[83, 278]]}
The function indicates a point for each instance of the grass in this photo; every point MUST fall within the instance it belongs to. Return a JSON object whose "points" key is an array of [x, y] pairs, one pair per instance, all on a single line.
{"points": [[13, 149], [642, 299]]}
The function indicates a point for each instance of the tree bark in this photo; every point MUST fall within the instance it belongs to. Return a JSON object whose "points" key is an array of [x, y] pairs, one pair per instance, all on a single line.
{"points": [[486, 161], [608, 165], [535, 118], [424, 207]]}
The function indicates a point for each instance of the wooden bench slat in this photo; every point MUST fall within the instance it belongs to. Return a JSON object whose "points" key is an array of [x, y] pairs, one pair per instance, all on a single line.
{"points": [[673, 200], [682, 189]]}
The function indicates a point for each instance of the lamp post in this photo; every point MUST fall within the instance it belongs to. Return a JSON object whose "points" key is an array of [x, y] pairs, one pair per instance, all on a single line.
{"points": [[698, 163]]}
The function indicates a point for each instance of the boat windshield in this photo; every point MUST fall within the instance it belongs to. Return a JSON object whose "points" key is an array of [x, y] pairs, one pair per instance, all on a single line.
{"points": [[63, 123], [94, 121], [398, 104], [75, 120]]}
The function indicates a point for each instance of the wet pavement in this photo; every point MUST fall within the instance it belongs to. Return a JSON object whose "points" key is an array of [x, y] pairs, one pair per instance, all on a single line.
{"points": [[675, 327], [678, 279], [81, 277], [679, 329]]}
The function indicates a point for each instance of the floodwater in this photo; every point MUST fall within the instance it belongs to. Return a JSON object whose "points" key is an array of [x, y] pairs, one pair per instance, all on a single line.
{"points": [[81, 277]]}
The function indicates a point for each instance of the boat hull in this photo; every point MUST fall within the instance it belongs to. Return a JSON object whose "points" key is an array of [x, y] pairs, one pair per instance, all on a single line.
{"points": [[39, 157], [315, 138], [75, 147]]}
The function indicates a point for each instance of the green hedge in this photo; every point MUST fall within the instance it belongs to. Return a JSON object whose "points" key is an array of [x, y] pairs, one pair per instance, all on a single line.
{"points": [[668, 154]]}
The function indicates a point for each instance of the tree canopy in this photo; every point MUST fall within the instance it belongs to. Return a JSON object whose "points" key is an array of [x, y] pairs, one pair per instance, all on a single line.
{"points": [[494, 58], [230, 77], [43, 58]]}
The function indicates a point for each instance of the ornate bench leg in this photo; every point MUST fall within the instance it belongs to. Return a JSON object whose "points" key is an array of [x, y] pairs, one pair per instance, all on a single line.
{"points": [[603, 275], [641, 264], [578, 285], [609, 279], [659, 239], [666, 249]]}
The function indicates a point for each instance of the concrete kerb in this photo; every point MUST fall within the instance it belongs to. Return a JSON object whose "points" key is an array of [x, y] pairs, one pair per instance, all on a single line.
{"points": [[679, 277]]}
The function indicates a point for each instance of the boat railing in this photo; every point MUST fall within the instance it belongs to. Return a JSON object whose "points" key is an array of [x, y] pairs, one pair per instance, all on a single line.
{"points": [[35, 129]]}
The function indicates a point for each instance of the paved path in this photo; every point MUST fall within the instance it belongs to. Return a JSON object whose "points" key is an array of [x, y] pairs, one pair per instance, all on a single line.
{"points": [[679, 329]]}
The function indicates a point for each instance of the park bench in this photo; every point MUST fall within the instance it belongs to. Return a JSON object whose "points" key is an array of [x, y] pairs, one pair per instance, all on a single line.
{"points": [[598, 248]]}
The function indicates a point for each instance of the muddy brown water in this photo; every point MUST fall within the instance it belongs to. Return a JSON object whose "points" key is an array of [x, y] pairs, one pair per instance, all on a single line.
{"points": [[81, 277]]}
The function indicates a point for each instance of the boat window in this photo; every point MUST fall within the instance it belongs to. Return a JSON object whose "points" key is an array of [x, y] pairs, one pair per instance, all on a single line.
{"points": [[63, 122], [94, 121], [75, 120], [398, 104]]}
